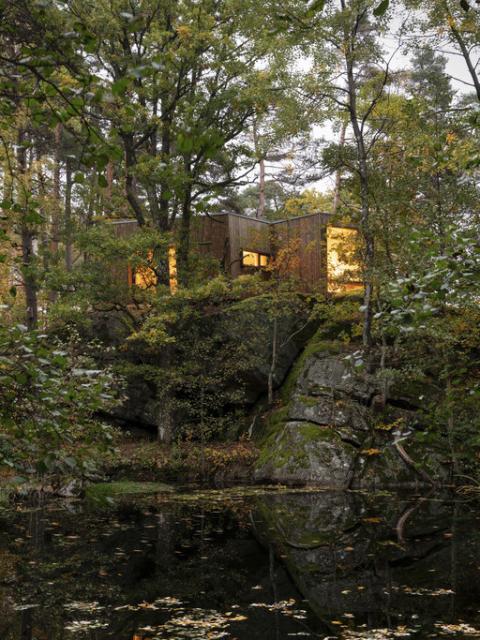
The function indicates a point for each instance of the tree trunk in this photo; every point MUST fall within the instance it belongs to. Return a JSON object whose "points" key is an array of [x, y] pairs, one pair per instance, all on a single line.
{"points": [[29, 280], [273, 362], [451, 429], [56, 189], [184, 244], [261, 189], [471, 66], [165, 186], [109, 190], [262, 173], [412, 464], [338, 173], [27, 237], [362, 168], [7, 194], [130, 191], [93, 195], [68, 217], [45, 238]]}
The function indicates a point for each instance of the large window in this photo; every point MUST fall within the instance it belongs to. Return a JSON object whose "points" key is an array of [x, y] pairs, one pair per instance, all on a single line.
{"points": [[254, 259], [344, 270], [172, 269], [145, 277]]}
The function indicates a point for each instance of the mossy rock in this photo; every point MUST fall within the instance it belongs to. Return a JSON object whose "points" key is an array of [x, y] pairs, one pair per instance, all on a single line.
{"points": [[306, 453], [271, 423], [387, 469], [315, 347]]}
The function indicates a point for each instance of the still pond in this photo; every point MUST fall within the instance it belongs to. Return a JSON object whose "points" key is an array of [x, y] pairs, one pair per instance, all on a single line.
{"points": [[241, 564]]}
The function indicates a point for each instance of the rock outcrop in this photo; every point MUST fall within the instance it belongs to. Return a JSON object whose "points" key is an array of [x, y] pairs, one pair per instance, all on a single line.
{"points": [[243, 333], [334, 431]]}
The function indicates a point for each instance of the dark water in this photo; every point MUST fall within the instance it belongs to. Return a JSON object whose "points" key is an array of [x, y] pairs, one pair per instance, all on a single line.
{"points": [[247, 566]]}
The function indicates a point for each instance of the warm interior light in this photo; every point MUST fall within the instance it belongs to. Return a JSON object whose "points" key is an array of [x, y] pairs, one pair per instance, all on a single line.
{"points": [[344, 270], [254, 259], [144, 277], [172, 269], [249, 259]]}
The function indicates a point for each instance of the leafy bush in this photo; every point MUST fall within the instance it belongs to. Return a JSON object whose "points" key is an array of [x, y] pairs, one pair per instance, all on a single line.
{"points": [[207, 352], [50, 395]]}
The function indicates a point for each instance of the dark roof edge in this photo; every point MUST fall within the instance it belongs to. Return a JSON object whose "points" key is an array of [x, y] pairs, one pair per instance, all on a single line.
{"points": [[239, 215]]}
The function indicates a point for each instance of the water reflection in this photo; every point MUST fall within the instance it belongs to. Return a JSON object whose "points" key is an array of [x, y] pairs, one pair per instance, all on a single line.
{"points": [[380, 562], [267, 566]]}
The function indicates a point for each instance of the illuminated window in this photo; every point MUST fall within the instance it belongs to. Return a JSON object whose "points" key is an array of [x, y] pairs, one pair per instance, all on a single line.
{"points": [[144, 277], [172, 269], [254, 259], [344, 270]]}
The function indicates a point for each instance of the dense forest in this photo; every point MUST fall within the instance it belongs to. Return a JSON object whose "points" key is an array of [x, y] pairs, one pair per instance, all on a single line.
{"points": [[170, 112], [239, 319]]}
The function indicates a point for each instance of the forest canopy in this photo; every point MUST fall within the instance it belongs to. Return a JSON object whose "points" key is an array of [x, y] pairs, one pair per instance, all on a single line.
{"points": [[167, 111]]}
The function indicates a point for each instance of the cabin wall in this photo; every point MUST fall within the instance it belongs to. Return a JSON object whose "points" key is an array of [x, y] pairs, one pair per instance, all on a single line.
{"points": [[209, 237], [123, 229], [301, 249], [299, 245], [246, 234]]}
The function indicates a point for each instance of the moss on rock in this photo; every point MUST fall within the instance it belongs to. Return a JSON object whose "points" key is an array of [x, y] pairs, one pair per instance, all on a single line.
{"points": [[305, 453]]}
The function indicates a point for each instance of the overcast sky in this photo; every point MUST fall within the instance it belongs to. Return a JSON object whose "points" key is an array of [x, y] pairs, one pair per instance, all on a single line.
{"points": [[456, 68]]}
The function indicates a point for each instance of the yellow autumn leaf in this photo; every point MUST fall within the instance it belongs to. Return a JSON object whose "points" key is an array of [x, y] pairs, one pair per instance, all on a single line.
{"points": [[184, 31]]}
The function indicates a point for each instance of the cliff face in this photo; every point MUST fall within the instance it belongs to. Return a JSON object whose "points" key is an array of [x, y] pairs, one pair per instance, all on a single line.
{"points": [[336, 429], [220, 361]]}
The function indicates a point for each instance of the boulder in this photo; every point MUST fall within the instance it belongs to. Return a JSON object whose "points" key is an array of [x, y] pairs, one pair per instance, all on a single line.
{"points": [[334, 432], [307, 453], [330, 375], [251, 322]]}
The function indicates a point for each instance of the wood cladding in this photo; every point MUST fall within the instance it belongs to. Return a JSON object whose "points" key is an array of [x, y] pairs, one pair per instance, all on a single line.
{"points": [[303, 240], [209, 237], [246, 234], [297, 247]]}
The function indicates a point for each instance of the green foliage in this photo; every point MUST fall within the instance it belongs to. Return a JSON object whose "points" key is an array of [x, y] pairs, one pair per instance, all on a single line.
{"points": [[100, 281], [430, 322], [50, 394], [185, 461], [105, 493], [201, 350], [109, 109]]}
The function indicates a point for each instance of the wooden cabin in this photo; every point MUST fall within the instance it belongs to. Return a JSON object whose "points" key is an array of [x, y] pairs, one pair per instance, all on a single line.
{"points": [[318, 254]]}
